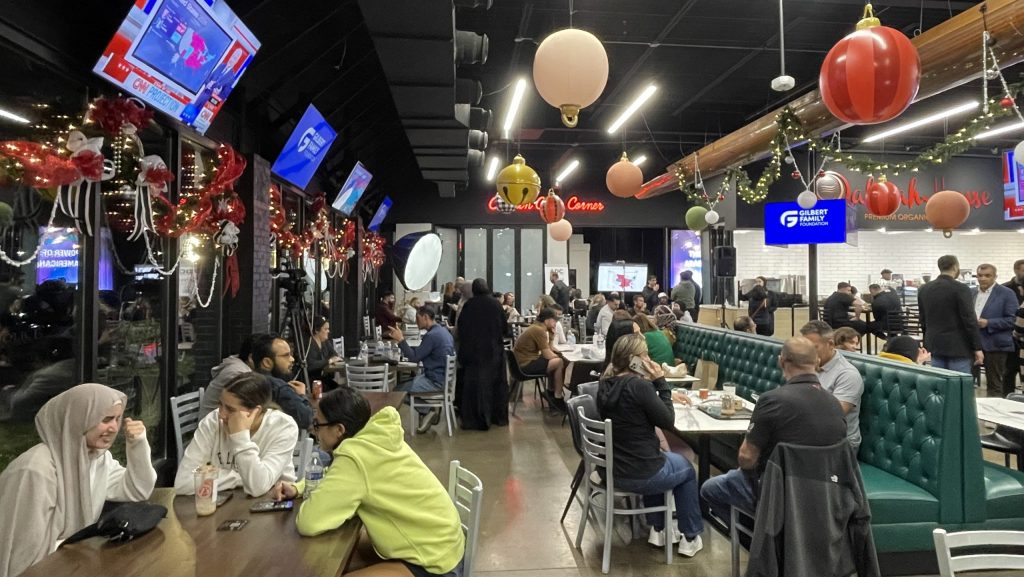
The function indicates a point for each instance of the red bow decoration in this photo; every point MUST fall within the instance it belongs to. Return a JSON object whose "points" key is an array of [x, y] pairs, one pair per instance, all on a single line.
{"points": [[39, 167], [158, 178], [89, 164], [113, 114]]}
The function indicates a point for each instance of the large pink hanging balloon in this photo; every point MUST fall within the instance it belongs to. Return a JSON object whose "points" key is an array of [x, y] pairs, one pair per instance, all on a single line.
{"points": [[624, 178], [560, 230]]}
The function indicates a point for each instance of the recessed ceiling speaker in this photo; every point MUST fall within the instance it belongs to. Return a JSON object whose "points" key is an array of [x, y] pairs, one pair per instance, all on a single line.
{"points": [[480, 118], [470, 47], [478, 139], [415, 258]]}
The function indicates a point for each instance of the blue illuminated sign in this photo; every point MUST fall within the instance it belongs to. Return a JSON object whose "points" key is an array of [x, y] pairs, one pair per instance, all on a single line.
{"points": [[787, 223], [305, 149]]}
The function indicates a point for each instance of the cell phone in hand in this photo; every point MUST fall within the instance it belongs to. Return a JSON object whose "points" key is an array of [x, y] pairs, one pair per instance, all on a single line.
{"points": [[270, 506], [636, 364]]}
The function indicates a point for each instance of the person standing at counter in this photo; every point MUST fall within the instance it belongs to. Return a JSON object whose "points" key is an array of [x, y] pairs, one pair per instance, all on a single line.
{"points": [[761, 305], [948, 320]]}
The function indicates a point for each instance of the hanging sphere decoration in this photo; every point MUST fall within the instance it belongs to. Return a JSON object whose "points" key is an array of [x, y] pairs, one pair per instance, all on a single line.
{"points": [[882, 197], [946, 210], [790, 159], [831, 185], [807, 199], [570, 70], [712, 217], [695, 218], [518, 184], [551, 207], [870, 76], [624, 178], [560, 230], [1018, 152]]}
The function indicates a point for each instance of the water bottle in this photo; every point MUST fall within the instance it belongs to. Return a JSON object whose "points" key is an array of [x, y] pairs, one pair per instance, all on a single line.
{"points": [[314, 474], [364, 352], [571, 338]]}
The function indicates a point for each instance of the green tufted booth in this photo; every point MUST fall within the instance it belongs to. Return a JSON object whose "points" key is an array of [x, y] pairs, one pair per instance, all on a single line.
{"points": [[920, 456]]}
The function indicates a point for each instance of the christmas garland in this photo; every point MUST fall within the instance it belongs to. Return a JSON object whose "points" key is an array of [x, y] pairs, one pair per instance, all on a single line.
{"points": [[336, 246], [790, 129]]}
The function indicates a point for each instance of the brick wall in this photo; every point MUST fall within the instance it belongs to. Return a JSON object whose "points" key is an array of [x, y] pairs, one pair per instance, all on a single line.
{"points": [[910, 253]]}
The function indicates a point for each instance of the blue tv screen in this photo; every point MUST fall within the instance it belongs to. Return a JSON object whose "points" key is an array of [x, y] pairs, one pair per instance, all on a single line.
{"points": [[305, 149], [58, 257], [353, 189], [380, 215], [787, 223]]}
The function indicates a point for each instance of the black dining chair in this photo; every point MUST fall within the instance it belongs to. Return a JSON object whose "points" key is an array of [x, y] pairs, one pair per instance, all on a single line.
{"points": [[1007, 440], [519, 377], [590, 411]]}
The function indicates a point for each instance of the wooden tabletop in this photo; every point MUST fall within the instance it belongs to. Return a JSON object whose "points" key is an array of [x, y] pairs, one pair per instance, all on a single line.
{"points": [[184, 545], [380, 400]]}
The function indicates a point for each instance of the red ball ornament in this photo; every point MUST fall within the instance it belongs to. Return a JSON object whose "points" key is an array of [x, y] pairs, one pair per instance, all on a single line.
{"points": [[624, 178], [870, 76], [795, 174], [882, 198], [551, 208], [946, 210], [1006, 102]]}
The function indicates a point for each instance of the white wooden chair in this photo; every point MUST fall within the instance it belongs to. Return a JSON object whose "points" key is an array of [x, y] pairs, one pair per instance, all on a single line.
{"points": [[466, 491], [950, 565], [301, 454], [443, 399], [339, 346], [185, 417], [367, 378], [367, 328]]}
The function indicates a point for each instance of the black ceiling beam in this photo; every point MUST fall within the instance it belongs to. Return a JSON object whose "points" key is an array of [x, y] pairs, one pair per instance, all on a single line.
{"points": [[717, 46], [297, 39], [943, 5], [732, 69], [665, 31], [524, 24], [341, 107]]}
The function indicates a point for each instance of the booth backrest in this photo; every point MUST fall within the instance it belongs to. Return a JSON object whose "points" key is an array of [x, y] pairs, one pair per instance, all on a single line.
{"points": [[912, 417]]}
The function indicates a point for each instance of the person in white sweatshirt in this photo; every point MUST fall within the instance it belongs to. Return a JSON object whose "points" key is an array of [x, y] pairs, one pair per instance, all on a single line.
{"points": [[249, 441], [58, 487]]}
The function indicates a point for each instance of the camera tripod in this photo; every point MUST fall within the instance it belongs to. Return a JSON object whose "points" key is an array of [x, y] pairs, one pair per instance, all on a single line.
{"points": [[292, 329]]}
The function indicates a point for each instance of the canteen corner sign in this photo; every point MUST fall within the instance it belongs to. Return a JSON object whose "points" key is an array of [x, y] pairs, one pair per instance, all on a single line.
{"points": [[572, 204], [826, 222]]}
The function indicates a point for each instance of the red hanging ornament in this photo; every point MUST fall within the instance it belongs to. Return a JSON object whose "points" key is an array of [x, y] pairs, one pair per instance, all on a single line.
{"points": [[870, 76], [882, 197], [795, 174], [551, 207], [1006, 102]]}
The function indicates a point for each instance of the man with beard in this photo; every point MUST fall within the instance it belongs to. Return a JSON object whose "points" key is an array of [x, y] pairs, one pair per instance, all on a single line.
{"points": [[272, 358]]}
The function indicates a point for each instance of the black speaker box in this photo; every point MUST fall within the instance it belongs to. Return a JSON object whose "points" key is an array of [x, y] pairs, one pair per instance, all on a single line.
{"points": [[725, 261]]}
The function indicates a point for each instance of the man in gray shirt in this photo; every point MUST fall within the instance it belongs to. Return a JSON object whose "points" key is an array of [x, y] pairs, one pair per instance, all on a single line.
{"points": [[837, 376]]}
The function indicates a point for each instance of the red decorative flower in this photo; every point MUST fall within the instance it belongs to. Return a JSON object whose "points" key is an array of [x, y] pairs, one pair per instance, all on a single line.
{"points": [[89, 164]]}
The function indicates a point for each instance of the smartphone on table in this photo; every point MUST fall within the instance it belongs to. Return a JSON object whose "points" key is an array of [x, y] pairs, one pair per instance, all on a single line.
{"points": [[270, 506]]}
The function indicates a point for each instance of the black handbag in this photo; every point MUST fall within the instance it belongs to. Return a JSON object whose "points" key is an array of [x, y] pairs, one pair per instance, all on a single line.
{"points": [[123, 523]]}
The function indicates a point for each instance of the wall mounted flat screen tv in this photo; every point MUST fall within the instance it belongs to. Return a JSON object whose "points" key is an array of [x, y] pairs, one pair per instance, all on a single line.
{"points": [[622, 278], [380, 215], [182, 57], [58, 257], [306, 148], [353, 189], [1013, 187]]}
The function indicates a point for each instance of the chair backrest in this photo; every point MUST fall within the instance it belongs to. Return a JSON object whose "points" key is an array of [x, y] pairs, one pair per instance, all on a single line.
{"points": [[517, 331], [339, 345], [466, 491], [367, 329], [589, 407], [450, 370], [589, 389], [185, 417], [301, 454], [596, 444], [367, 378], [950, 565], [514, 368], [410, 330]]}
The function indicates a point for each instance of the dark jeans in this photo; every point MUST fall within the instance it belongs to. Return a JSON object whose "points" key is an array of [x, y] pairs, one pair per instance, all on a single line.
{"points": [[678, 475], [724, 491], [860, 326], [1000, 380], [959, 364]]}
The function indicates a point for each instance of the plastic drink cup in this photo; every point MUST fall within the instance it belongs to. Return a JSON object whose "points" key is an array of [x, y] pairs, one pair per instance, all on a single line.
{"points": [[205, 477], [318, 389], [704, 394]]}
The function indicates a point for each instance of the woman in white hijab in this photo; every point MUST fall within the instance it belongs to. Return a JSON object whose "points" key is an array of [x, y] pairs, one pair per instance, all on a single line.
{"points": [[59, 486]]}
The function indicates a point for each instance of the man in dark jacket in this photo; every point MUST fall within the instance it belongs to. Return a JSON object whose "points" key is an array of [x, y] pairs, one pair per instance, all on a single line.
{"points": [[1016, 284], [272, 358], [948, 320], [650, 292], [799, 412], [887, 312], [559, 291], [997, 312]]}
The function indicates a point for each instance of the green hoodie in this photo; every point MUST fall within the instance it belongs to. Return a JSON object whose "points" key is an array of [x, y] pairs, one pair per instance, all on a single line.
{"points": [[405, 509]]}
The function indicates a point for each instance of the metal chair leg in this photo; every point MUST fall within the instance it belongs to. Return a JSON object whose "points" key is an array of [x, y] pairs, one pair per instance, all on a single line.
{"points": [[734, 541], [575, 485]]}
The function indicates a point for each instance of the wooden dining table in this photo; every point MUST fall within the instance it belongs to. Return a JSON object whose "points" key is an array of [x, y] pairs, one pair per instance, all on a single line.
{"points": [[186, 545]]}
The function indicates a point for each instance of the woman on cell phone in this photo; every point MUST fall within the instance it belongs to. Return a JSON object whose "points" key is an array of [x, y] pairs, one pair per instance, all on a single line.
{"points": [[250, 441], [634, 395]]}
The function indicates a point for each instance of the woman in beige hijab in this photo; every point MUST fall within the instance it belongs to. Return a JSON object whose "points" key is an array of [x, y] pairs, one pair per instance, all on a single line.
{"points": [[59, 486]]}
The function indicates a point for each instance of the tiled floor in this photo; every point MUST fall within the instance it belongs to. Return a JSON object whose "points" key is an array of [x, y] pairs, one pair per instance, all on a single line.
{"points": [[526, 468]]}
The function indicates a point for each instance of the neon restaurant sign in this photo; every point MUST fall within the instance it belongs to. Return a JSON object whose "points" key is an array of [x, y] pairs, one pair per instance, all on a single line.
{"points": [[572, 204]]}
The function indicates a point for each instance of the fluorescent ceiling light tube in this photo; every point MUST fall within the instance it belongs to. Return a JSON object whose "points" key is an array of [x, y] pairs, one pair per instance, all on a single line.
{"points": [[513, 107], [1000, 130], [492, 169], [632, 108], [13, 116], [640, 160], [922, 121], [567, 171]]}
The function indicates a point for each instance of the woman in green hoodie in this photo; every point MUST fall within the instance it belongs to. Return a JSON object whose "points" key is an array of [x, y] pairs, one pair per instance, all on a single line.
{"points": [[408, 515]]}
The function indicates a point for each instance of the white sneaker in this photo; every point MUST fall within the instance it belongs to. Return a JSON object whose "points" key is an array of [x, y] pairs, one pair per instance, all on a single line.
{"points": [[690, 548], [657, 538]]}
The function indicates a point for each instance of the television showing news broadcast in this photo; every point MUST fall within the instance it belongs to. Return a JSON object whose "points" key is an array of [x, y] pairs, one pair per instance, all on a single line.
{"points": [[182, 57], [306, 148], [353, 189], [629, 278], [1013, 187], [380, 215]]}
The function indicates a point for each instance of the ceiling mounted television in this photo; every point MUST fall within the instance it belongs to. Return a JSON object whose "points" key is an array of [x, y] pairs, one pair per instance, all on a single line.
{"points": [[380, 215], [1013, 187], [305, 149], [182, 57], [353, 189]]}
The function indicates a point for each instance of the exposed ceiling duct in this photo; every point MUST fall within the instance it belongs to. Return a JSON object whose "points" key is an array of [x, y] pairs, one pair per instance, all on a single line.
{"points": [[420, 51]]}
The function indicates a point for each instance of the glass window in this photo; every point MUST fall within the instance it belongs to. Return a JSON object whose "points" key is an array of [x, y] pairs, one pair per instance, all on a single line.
{"points": [[504, 255], [475, 253], [449, 267], [531, 281]]}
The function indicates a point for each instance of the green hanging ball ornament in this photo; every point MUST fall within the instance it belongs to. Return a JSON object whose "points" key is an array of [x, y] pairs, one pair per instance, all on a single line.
{"points": [[6, 215], [695, 218]]}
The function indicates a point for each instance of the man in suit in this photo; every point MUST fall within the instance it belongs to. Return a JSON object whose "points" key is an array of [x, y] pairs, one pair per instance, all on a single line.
{"points": [[996, 308], [948, 320], [1016, 284], [559, 291]]}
